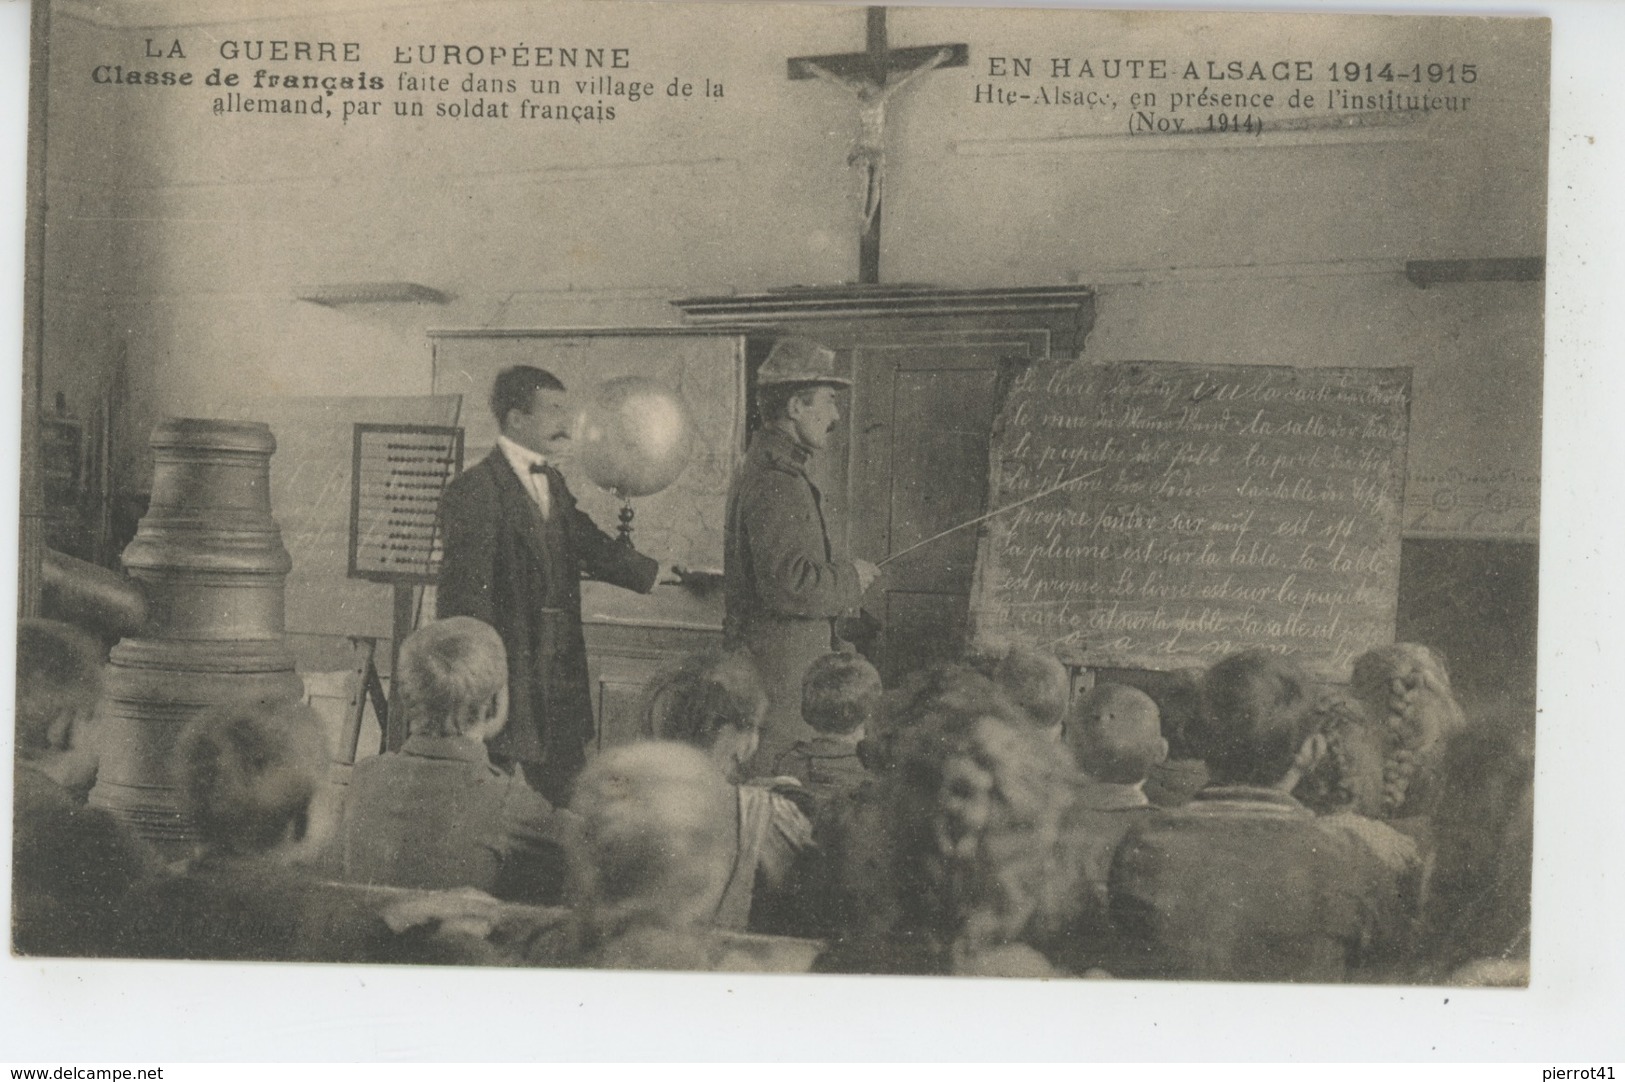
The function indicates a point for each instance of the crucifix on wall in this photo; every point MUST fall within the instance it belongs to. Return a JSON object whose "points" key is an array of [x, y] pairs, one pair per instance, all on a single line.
{"points": [[873, 77]]}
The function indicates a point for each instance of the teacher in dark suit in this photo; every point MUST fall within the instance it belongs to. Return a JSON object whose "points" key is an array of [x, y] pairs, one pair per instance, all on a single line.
{"points": [[515, 549]]}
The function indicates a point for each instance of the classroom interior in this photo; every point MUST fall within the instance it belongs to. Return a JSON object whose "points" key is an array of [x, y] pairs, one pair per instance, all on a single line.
{"points": [[193, 261]]}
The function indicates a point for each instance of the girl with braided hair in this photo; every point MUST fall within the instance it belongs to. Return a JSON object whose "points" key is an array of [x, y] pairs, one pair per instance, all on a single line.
{"points": [[1407, 688], [1384, 747]]}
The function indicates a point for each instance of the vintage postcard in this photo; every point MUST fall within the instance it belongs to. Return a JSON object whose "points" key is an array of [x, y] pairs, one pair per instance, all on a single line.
{"points": [[760, 488]]}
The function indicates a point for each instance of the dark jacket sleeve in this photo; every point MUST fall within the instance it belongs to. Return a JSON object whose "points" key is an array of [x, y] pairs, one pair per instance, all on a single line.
{"points": [[793, 575], [603, 557], [468, 525]]}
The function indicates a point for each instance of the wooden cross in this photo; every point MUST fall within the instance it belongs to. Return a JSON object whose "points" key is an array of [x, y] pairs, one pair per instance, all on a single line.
{"points": [[873, 76]]}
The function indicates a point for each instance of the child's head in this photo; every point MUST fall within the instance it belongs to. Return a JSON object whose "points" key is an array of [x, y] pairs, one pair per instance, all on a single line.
{"points": [[1037, 683], [840, 695], [974, 806], [1407, 685], [453, 679], [924, 694], [1116, 735], [656, 839], [1413, 665], [1384, 746], [1257, 720], [714, 701], [249, 773], [1405, 692], [58, 683]]}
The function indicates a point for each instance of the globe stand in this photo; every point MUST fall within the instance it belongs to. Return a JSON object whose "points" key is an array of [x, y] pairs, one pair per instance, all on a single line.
{"points": [[625, 528]]}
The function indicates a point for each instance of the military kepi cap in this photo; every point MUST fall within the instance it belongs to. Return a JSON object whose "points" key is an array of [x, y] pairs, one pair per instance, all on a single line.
{"points": [[800, 360]]}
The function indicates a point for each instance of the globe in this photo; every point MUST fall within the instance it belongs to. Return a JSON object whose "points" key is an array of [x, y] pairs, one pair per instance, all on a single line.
{"points": [[633, 437]]}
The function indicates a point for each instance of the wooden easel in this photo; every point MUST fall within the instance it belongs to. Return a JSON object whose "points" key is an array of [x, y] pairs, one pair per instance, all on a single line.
{"points": [[365, 686], [403, 624]]}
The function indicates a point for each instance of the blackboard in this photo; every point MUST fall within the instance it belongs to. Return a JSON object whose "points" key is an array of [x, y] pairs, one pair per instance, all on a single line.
{"points": [[1214, 508]]}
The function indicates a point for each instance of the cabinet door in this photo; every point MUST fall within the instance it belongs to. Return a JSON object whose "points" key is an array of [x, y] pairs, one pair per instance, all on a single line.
{"points": [[922, 413]]}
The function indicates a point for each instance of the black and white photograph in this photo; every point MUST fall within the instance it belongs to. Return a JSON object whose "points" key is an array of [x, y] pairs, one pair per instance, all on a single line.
{"points": [[1045, 496]]}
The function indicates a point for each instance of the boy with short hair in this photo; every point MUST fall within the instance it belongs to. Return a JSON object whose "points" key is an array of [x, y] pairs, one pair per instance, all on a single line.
{"points": [[437, 814], [1244, 883], [840, 697], [1037, 683], [1115, 735]]}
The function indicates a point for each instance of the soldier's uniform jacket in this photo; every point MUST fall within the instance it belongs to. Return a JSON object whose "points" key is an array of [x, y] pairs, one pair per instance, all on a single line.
{"points": [[783, 586]]}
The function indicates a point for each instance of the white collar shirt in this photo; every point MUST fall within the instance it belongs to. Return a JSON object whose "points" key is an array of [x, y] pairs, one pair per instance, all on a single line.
{"points": [[522, 459]]}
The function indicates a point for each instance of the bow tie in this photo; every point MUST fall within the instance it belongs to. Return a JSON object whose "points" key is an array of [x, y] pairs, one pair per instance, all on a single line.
{"points": [[538, 467]]}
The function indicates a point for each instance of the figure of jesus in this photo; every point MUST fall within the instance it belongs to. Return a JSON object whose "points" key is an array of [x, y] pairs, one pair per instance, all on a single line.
{"points": [[869, 149]]}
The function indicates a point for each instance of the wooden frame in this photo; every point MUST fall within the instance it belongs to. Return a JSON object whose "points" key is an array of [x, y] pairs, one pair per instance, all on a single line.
{"points": [[359, 459]]}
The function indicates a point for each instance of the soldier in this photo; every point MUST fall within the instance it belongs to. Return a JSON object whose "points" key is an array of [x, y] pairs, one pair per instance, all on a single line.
{"points": [[783, 585]]}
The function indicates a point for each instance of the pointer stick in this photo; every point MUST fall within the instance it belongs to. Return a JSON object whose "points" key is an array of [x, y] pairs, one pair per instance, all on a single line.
{"points": [[991, 514]]}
